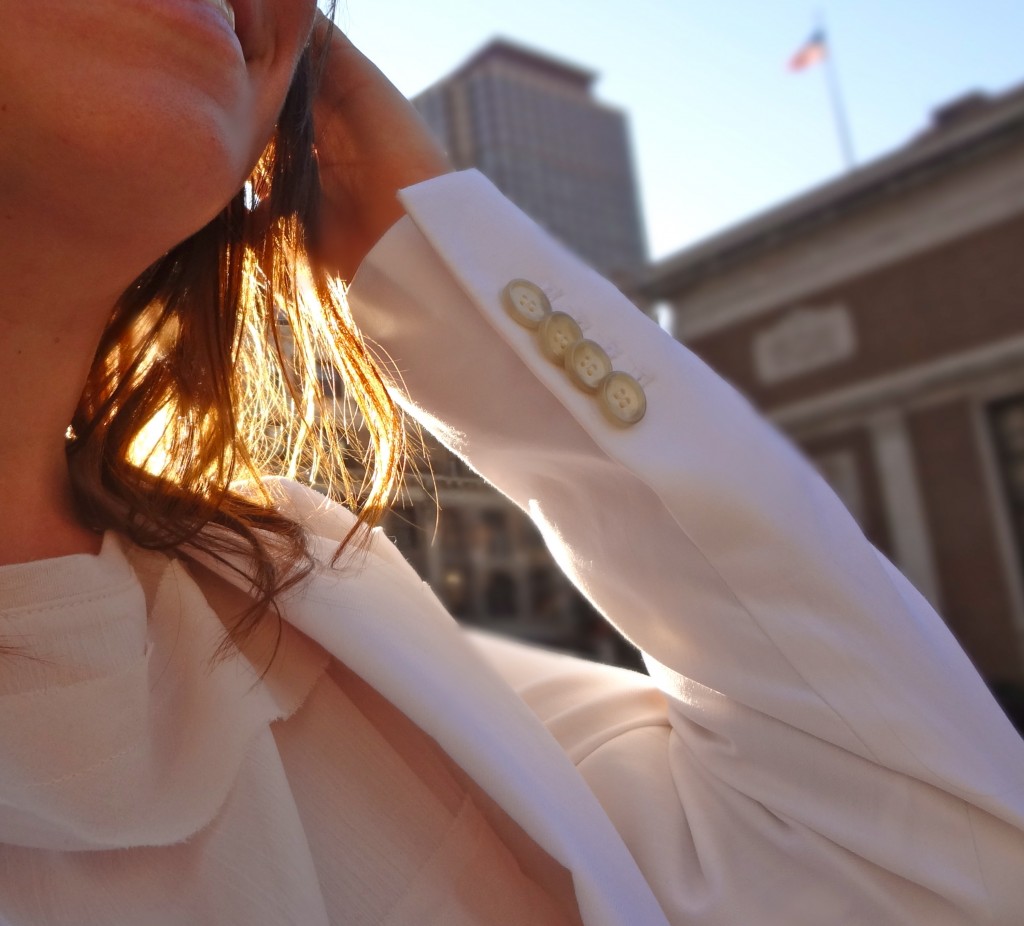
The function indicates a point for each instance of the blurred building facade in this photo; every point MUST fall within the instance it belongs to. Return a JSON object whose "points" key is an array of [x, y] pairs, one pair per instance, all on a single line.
{"points": [[532, 124], [488, 563], [879, 321]]}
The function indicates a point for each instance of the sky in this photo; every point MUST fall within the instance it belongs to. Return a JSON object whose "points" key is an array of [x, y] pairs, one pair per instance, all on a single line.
{"points": [[720, 128]]}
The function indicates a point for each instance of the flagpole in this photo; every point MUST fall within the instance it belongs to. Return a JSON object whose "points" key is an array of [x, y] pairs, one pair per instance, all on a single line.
{"points": [[835, 94]]}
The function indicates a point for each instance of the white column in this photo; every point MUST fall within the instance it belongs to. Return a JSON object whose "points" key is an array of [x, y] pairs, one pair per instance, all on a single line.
{"points": [[901, 493], [999, 508]]}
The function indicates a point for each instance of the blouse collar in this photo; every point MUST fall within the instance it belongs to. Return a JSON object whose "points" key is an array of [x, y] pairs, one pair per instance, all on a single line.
{"points": [[117, 728]]}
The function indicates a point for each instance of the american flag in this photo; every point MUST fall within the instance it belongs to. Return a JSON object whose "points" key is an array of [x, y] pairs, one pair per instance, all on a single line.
{"points": [[810, 53]]}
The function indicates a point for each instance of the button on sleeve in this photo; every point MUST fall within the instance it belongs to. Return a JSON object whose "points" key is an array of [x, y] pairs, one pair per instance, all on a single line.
{"points": [[622, 398], [557, 333], [526, 303], [587, 364]]}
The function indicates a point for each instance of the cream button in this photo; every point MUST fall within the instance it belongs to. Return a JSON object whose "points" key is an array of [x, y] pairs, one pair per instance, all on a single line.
{"points": [[526, 303], [557, 333], [587, 364], [623, 398]]}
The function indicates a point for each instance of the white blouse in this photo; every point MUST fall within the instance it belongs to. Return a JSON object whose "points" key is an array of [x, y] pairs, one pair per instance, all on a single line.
{"points": [[139, 783]]}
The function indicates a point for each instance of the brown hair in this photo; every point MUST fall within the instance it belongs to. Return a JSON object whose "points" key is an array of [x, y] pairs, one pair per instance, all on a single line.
{"points": [[218, 365]]}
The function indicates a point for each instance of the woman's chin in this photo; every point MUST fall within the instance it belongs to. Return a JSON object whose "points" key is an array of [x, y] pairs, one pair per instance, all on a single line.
{"points": [[167, 178]]}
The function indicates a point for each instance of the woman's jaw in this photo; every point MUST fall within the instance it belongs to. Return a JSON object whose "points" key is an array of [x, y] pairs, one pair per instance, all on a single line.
{"points": [[133, 122]]}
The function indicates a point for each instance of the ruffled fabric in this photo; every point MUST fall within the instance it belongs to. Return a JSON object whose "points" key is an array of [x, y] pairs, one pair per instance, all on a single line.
{"points": [[172, 797], [118, 729]]}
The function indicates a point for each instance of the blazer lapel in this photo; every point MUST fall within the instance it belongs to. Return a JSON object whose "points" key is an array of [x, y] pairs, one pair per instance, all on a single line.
{"points": [[378, 617]]}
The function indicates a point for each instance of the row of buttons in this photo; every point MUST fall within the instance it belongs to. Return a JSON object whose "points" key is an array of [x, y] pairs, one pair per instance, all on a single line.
{"points": [[561, 340]]}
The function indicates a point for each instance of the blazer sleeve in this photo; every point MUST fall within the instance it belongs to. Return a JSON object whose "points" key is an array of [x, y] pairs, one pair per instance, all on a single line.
{"points": [[828, 753]]}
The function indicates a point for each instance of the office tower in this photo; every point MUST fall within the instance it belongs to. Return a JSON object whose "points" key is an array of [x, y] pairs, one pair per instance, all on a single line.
{"points": [[532, 125]]}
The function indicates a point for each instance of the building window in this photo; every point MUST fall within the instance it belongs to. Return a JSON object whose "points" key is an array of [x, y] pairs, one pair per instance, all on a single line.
{"points": [[495, 534], [544, 593], [454, 535], [502, 597], [403, 526], [457, 589], [1006, 420]]}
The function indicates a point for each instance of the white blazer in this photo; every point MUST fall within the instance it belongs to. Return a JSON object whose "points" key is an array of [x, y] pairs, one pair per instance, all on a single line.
{"points": [[812, 747]]}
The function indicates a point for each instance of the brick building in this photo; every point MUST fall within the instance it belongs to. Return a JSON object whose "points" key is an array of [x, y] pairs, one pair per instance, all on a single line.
{"points": [[879, 321]]}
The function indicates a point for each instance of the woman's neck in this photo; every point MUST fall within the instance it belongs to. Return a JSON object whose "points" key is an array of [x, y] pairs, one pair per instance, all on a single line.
{"points": [[38, 515], [51, 319]]}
